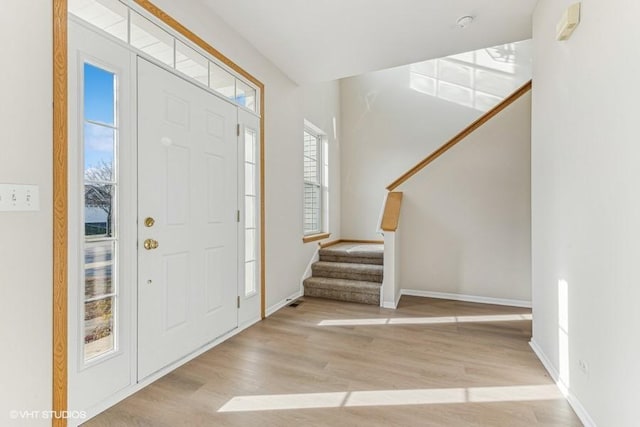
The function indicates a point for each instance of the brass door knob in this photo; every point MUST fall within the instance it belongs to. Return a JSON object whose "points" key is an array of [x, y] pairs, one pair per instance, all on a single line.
{"points": [[148, 221], [150, 244]]}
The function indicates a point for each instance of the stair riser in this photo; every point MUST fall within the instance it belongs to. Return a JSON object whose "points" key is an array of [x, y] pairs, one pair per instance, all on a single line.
{"points": [[351, 259], [372, 299], [341, 285], [334, 274]]}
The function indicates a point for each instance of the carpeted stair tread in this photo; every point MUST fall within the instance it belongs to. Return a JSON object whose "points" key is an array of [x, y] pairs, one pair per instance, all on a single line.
{"points": [[347, 270], [331, 257], [356, 253]]}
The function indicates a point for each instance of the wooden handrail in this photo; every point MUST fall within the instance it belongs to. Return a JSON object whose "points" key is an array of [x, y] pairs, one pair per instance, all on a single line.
{"points": [[462, 135], [391, 214]]}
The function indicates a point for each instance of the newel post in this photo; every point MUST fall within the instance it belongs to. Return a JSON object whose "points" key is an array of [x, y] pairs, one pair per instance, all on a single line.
{"points": [[389, 224]]}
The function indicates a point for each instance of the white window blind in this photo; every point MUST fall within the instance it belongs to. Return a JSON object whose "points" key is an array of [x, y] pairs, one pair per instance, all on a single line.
{"points": [[312, 183]]}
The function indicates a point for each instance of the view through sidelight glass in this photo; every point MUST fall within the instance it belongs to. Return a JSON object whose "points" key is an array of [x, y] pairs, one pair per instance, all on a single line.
{"points": [[100, 140], [250, 212]]}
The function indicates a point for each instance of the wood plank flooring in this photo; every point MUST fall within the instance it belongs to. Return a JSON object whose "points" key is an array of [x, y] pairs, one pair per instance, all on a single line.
{"points": [[328, 363]]}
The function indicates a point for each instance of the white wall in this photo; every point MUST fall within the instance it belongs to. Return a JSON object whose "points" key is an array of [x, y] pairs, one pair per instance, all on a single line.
{"points": [[466, 218], [25, 238], [287, 105], [586, 203], [394, 118]]}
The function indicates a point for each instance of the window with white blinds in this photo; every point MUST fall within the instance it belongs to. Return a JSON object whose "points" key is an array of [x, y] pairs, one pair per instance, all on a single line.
{"points": [[313, 188]]}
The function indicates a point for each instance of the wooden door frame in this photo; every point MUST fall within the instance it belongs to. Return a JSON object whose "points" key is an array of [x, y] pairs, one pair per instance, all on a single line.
{"points": [[60, 186]]}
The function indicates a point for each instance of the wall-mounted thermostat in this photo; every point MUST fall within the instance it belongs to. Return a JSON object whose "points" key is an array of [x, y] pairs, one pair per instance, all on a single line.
{"points": [[569, 22]]}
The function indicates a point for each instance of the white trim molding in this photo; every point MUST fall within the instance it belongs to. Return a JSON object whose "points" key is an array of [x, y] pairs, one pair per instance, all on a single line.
{"points": [[392, 305], [390, 291], [307, 271], [580, 410], [467, 298], [277, 306], [544, 360]]}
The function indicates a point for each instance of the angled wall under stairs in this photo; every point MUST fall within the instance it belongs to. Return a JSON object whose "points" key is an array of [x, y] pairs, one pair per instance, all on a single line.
{"points": [[347, 272]]}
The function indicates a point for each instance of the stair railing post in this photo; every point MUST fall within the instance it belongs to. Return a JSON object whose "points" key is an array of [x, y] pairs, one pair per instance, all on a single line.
{"points": [[391, 280]]}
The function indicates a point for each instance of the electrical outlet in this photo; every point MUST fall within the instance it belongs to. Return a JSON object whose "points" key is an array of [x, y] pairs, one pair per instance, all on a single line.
{"points": [[18, 197], [583, 366]]}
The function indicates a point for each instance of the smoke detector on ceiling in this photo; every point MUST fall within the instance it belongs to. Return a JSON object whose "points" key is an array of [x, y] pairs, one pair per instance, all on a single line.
{"points": [[464, 21]]}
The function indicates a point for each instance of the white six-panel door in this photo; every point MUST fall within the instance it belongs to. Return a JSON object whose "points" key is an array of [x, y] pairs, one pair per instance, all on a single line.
{"points": [[187, 218]]}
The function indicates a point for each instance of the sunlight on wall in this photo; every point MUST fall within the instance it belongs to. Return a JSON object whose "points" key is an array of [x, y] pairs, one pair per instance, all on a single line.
{"points": [[392, 398], [425, 320], [563, 335], [479, 79]]}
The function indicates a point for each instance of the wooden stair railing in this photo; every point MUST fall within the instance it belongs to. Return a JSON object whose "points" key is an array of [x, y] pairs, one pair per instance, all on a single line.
{"points": [[391, 215], [461, 135]]}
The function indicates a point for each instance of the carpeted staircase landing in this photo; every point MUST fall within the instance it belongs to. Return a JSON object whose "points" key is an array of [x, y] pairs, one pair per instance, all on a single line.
{"points": [[347, 272]]}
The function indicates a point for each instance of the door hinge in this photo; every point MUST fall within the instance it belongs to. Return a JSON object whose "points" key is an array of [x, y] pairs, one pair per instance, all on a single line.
{"points": [[238, 129], [238, 301], [238, 216]]}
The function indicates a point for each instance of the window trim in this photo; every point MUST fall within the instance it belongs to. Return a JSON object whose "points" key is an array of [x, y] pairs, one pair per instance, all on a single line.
{"points": [[323, 229], [91, 241], [245, 131], [315, 237]]}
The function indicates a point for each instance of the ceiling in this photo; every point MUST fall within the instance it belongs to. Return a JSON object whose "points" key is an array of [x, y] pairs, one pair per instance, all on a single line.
{"points": [[321, 40]]}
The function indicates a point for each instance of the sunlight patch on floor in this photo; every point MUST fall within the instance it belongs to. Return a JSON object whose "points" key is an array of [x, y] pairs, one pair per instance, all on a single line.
{"points": [[391, 398], [426, 320]]}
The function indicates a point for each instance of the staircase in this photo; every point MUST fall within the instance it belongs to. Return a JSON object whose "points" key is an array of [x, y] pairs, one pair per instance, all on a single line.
{"points": [[347, 272]]}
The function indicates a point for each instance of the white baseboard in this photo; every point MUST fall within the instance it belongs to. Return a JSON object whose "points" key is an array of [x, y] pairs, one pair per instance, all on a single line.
{"points": [[244, 325], [580, 411], [467, 298], [392, 304], [277, 306], [135, 387], [545, 360]]}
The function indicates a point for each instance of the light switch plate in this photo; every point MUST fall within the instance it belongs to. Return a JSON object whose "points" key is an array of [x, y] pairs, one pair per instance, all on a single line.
{"points": [[19, 198]]}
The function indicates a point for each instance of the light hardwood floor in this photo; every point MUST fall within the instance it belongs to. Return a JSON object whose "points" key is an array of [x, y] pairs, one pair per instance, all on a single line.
{"points": [[328, 363]]}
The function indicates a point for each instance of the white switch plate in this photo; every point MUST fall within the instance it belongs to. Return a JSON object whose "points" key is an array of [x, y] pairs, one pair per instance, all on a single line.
{"points": [[19, 198]]}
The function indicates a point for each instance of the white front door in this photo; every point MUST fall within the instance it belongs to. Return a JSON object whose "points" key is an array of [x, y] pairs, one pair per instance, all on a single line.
{"points": [[187, 218]]}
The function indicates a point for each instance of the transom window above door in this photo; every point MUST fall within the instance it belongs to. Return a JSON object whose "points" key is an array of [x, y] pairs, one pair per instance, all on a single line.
{"points": [[141, 32]]}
